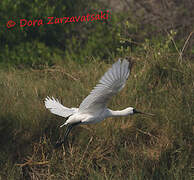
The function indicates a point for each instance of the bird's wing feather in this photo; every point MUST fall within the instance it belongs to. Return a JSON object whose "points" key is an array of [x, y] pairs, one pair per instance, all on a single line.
{"points": [[57, 108], [111, 83]]}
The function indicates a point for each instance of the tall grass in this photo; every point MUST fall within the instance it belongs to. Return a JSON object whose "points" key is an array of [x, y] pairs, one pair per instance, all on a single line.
{"points": [[137, 147]]}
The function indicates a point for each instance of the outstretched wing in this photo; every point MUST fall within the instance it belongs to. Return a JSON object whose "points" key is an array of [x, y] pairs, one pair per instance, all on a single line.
{"points": [[112, 82], [57, 108]]}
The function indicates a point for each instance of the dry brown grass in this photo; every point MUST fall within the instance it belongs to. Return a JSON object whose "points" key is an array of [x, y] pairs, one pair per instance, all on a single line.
{"points": [[135, 147]]}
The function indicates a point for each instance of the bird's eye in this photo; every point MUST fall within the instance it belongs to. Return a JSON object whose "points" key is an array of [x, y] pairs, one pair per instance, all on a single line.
{"points": [[135, 111]]}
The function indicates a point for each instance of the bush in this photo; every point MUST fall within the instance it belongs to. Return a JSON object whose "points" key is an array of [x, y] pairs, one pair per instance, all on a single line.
{"points": [[31, 54], [77, 40]]}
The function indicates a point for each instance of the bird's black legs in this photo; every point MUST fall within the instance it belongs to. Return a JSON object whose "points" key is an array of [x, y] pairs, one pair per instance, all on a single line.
{"points": [[69, 127]]}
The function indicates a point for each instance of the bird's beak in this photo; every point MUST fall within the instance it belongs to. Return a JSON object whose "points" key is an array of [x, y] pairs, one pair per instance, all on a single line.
{"points": [[149, 114]]}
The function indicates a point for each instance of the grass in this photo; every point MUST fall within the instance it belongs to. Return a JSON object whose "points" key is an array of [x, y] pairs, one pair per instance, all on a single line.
{"points": [[137, 147]]}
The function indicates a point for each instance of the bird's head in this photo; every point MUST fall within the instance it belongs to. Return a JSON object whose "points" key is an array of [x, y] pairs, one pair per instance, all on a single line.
{"points": [[132, 111]]}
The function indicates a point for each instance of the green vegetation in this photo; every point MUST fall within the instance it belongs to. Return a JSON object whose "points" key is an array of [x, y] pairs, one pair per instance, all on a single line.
{"points": [[66, 62], [47, 44]]}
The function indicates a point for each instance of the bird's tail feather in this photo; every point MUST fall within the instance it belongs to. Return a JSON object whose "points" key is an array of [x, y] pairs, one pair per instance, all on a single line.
{"points": [[63, 125]]}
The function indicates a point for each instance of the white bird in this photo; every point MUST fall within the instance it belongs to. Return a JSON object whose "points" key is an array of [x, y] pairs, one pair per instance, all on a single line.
{"points": [[94, 109]]}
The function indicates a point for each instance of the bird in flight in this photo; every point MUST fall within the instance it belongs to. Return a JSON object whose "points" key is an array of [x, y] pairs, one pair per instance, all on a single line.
{"points": [[93, 108]]}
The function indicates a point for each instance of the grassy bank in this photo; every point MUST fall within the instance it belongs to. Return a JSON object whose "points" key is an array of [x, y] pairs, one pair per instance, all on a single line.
{"points": [[136, 147]]}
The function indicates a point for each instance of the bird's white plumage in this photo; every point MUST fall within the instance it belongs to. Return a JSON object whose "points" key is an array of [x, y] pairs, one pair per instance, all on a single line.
{"points": [[57, 108], [111, 83], [93, 108]]}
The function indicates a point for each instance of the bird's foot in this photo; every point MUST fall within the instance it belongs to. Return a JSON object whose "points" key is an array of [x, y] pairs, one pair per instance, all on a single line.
{"points": [[58, 144]]}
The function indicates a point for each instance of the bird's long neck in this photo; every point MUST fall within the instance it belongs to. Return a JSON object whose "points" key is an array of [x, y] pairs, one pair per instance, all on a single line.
{"points": [[123, 112]]}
